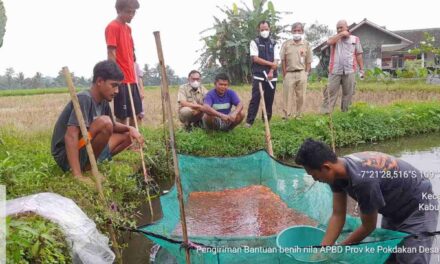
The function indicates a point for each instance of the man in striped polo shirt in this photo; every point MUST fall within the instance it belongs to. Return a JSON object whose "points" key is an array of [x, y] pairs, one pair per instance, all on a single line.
{"points": [[218, 104], [345, 57]]}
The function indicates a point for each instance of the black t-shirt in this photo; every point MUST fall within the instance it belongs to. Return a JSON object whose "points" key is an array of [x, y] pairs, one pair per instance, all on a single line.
{"points": [[90, 110], [378, 181]]}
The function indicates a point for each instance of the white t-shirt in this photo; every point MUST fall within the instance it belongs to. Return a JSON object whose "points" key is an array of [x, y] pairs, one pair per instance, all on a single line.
{"points": [[254, 50]]}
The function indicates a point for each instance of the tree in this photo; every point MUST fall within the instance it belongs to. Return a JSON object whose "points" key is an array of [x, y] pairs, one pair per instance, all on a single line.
{"points": [[2, 22], [20, 80], [152, 76], [60, 81], [37, 80], [228, 45], [9, 74], [426, 46], [317, 33]]}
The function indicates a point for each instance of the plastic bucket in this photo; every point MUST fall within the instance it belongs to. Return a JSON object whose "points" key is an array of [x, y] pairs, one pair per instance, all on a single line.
{"points": [[297, 242]]}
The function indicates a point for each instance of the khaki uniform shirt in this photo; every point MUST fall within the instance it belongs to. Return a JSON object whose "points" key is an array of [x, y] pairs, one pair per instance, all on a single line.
{"points": [[296, 55], [187, 93]]}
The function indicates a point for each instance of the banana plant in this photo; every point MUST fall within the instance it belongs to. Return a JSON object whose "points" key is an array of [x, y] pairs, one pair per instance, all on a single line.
{"points": [[226, 43], [2, 22]]}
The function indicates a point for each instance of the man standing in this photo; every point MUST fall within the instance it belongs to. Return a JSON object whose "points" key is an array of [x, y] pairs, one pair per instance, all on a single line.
{"points": [[265, 57], [190, 99], [345, 57], [296, 60], [218, 105], [120, 48], [381, 184], [108, 137]]}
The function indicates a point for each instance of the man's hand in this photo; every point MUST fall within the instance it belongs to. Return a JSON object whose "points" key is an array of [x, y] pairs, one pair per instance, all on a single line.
{"points": [[136, 135], [270, 76], [345, 33], [224, 117], [274, 66], [232, 117], [361, 74], [197, 107]]}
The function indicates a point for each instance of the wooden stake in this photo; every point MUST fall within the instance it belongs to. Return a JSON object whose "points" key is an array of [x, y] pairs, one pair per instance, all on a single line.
{"points": [[147, 179], [332, 131], [165, 138], [173, 143], [97, 177], [266, 121]]}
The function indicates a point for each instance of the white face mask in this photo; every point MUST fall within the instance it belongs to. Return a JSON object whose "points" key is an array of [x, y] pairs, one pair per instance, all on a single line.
{"points": [[297, 36], [264, 33], [195, 84]]}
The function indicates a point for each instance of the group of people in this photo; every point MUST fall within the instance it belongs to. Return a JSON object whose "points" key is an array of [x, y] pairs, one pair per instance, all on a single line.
{"points": [[397, 199], [295, 59]]}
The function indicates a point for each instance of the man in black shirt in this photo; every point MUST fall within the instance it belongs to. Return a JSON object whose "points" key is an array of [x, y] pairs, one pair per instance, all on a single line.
{"points": [[108, 137], [381, 184]]}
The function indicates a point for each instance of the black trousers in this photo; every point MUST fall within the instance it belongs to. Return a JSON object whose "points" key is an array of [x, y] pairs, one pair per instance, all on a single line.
{"points": [[269, 95]]}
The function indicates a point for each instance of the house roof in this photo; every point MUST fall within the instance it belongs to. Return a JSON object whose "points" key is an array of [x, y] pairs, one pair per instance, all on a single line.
{"points": [[355, 26], [417, 35]]}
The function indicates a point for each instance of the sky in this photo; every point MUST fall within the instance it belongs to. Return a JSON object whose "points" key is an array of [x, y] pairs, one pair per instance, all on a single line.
{"points": [[45, 35]]}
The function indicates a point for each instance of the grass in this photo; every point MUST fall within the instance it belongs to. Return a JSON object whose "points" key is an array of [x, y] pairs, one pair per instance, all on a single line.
{"points": [[401, 85], [32, 239], [37, 91], [26, 165], [38, 113], [390, 85]]}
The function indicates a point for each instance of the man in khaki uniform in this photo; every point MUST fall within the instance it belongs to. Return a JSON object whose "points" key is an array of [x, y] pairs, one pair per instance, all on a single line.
{"points": [[190, 99], [296, 60]]}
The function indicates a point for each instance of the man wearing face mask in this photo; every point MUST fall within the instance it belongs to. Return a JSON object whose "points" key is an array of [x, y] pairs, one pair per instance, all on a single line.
{"points": [[296, 61], [264, 52], [190, 99], [345, 56]]}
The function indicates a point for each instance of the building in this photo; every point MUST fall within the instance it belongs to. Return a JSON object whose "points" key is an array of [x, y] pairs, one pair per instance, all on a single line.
{"points": [[386, 49]]}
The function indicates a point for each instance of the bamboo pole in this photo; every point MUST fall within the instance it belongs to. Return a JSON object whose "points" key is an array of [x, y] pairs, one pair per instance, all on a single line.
{"points": [[266, 121], [97, 177], [147, 179], [173, 144], [332, 130], [165, 138]]}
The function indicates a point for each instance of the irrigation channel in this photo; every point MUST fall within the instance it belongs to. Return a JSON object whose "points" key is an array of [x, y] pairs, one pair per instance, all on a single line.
{"points": [[422, 151]]}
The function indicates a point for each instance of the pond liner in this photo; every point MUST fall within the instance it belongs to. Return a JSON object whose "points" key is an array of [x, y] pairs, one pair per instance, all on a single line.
{"points": [[297, 189]]}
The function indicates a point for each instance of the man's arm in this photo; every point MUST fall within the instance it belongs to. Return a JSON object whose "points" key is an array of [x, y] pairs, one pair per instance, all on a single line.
{"points": [[195, 106], [337, 220], [283, 67], [236, 111], [254, 56], [141, 88], [308, 68], [111, 53], [332, 40], [71, 139], [270, 73], [360, 62], [309, 59], [211, 111], [121, 128], [264, 62], [369, 222]]}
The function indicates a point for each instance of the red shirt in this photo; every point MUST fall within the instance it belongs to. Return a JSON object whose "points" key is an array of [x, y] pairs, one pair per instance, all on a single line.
{"points": [[118, 35]]}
